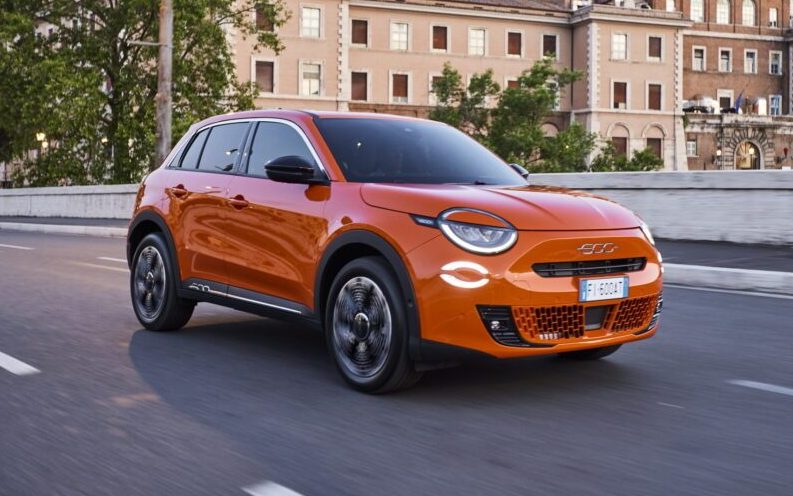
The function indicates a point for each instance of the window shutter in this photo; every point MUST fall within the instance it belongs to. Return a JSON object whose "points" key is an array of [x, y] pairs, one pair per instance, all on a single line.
{"points": [[400, 85], [359, 86], [655, 47], [514, 44], [264, 76], [620, 94], [549, 45], [360, 32], [439, 38], [654, 97]]}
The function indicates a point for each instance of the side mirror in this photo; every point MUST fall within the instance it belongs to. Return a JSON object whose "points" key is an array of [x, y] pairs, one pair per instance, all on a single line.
{"points": [[520, 170], [294, 169]]}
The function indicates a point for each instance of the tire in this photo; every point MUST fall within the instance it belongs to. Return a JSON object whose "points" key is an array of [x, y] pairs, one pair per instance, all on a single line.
{"points": [[152, 283], [593, 354], [366, 328]]}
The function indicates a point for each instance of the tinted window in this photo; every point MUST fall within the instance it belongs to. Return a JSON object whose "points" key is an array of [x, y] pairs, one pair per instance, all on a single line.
{"points": [[222, 147], [190, 157], [273, 140], [402, 151]]}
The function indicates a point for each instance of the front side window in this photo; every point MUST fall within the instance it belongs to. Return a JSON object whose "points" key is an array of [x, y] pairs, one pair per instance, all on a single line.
{"points": [[311, 82], [723, 12], [273, 140], [747, 13], [399, 36], [222, 147], [698, 10], [407, 151], [310, 22], [619, 46], [476, 41], [191, 156]]}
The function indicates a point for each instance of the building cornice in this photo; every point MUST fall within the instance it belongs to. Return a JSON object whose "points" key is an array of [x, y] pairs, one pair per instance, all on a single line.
{"points": [[558, 18], [734, 36], [630, 16]]}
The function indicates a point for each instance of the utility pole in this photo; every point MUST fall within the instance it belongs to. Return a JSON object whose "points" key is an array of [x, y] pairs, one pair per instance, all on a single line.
{"points": [[164, 70]]}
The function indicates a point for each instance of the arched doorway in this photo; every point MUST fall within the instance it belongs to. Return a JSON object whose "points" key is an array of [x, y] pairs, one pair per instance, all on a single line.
{"points": [[747, 156]]}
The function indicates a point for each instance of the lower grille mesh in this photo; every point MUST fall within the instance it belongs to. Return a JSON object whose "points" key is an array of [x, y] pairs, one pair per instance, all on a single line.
{"points": [[566, 322]]}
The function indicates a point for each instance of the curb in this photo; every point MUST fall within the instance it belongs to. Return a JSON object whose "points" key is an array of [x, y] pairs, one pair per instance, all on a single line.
{"points": [[764, 281], [98, 231]]}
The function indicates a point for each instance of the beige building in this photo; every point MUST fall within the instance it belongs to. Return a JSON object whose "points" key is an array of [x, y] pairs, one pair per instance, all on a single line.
{"points": [[382, 55]]}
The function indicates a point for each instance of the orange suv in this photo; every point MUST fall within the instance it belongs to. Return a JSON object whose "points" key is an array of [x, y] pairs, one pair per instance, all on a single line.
{"points": [[409, 244]]}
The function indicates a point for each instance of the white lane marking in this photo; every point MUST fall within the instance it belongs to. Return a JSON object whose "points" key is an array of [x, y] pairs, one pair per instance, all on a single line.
{"points": [[111, 259], [269, 488], [97, 266], [670, 405], [762, 386], [731, 291], [15, 366], [15, 247]]}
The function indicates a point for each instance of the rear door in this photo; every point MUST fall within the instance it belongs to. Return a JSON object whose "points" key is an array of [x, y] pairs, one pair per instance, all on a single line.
{"points": [[275, 228], [196, 196]]}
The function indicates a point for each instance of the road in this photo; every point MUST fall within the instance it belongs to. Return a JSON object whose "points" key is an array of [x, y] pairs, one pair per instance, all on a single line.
{"points": [[234, 401]]}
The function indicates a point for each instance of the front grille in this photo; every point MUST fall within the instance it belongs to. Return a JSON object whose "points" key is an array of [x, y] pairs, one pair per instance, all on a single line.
{"points": [[589, 267], [568, 322]]}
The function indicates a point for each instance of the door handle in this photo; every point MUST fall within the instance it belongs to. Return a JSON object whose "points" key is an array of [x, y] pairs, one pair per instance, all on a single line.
{"points": [[239, 202], [179, 191]]}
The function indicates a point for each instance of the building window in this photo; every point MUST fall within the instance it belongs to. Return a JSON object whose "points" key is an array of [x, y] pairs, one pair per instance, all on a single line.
{"points": [[723, 12], [399, 36], [725, 60], [620, 146], [654, 48], [514, 44], [549, 46], [311, 79], [310, 22], [775, 105], [620, 95], [653, 97], [264, 76], [360, 86], [656, 146], [513, 83], [476, 41], [399, 88], [691, 148], [698, 10], [725, 99], [360, 32], [619, 46], [434, 82], [440, 38], [747, 13], [775, 63], [773, 17], [699, 60], [263, 21], [750, 61]]}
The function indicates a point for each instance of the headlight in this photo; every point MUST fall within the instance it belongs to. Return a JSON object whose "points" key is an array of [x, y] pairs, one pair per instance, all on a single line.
{"points": [[646, 231], [486, 240]]}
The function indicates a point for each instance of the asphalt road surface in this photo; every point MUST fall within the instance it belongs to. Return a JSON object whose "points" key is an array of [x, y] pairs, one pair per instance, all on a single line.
{"points": [[91, 404]]}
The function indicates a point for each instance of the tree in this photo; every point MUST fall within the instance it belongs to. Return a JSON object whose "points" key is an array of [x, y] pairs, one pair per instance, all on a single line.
{"points": [[609, 161], [567, 151], [92, 86], [465, 108]]}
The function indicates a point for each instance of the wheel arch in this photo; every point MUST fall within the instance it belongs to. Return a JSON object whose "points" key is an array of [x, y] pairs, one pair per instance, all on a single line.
{"points": [[356, 244], [142, 225]]}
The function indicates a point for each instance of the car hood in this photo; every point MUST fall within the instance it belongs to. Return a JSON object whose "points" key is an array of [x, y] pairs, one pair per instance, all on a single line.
{"points": [[531, 208]]}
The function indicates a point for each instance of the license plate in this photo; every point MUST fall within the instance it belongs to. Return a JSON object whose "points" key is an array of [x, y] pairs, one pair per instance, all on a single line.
{"points": [[607, 288]]}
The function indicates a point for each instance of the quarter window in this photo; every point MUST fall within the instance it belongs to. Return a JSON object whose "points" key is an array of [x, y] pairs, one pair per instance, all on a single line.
{"points": [[273, 140], [222, 147]]}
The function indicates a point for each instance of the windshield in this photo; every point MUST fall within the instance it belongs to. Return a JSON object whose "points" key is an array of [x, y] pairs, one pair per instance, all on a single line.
{"points": [[408, 151]]}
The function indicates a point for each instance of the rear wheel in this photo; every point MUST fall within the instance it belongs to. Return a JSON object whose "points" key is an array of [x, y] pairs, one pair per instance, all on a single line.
{"points": [[153, 287], [593, 354], [366, 328]]}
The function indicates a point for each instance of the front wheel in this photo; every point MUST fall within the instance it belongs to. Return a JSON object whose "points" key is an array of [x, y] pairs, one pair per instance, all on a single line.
{"points": [[366, 328], [593, 354], [153, 288]]}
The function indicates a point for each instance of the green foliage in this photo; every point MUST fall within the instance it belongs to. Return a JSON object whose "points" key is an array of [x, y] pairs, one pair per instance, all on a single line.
{"points": [[609, 161], [90, 88], [464, 107], [565, 152]]}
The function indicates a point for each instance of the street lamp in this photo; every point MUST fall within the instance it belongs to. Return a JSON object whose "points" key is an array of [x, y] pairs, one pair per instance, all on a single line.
{"points": [[41, 138]]}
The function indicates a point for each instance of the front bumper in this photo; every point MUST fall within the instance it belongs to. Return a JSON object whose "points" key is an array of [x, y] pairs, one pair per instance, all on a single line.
{"points": [[499, 305]]}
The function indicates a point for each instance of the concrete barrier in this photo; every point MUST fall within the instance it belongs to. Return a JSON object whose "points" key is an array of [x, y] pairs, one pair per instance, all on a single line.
{"points": [[101, 202], [736, 206]]}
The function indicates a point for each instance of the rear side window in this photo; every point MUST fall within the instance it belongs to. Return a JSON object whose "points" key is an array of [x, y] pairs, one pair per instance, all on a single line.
{"points": [[190, 157], [273, 140], [222, 147]]}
